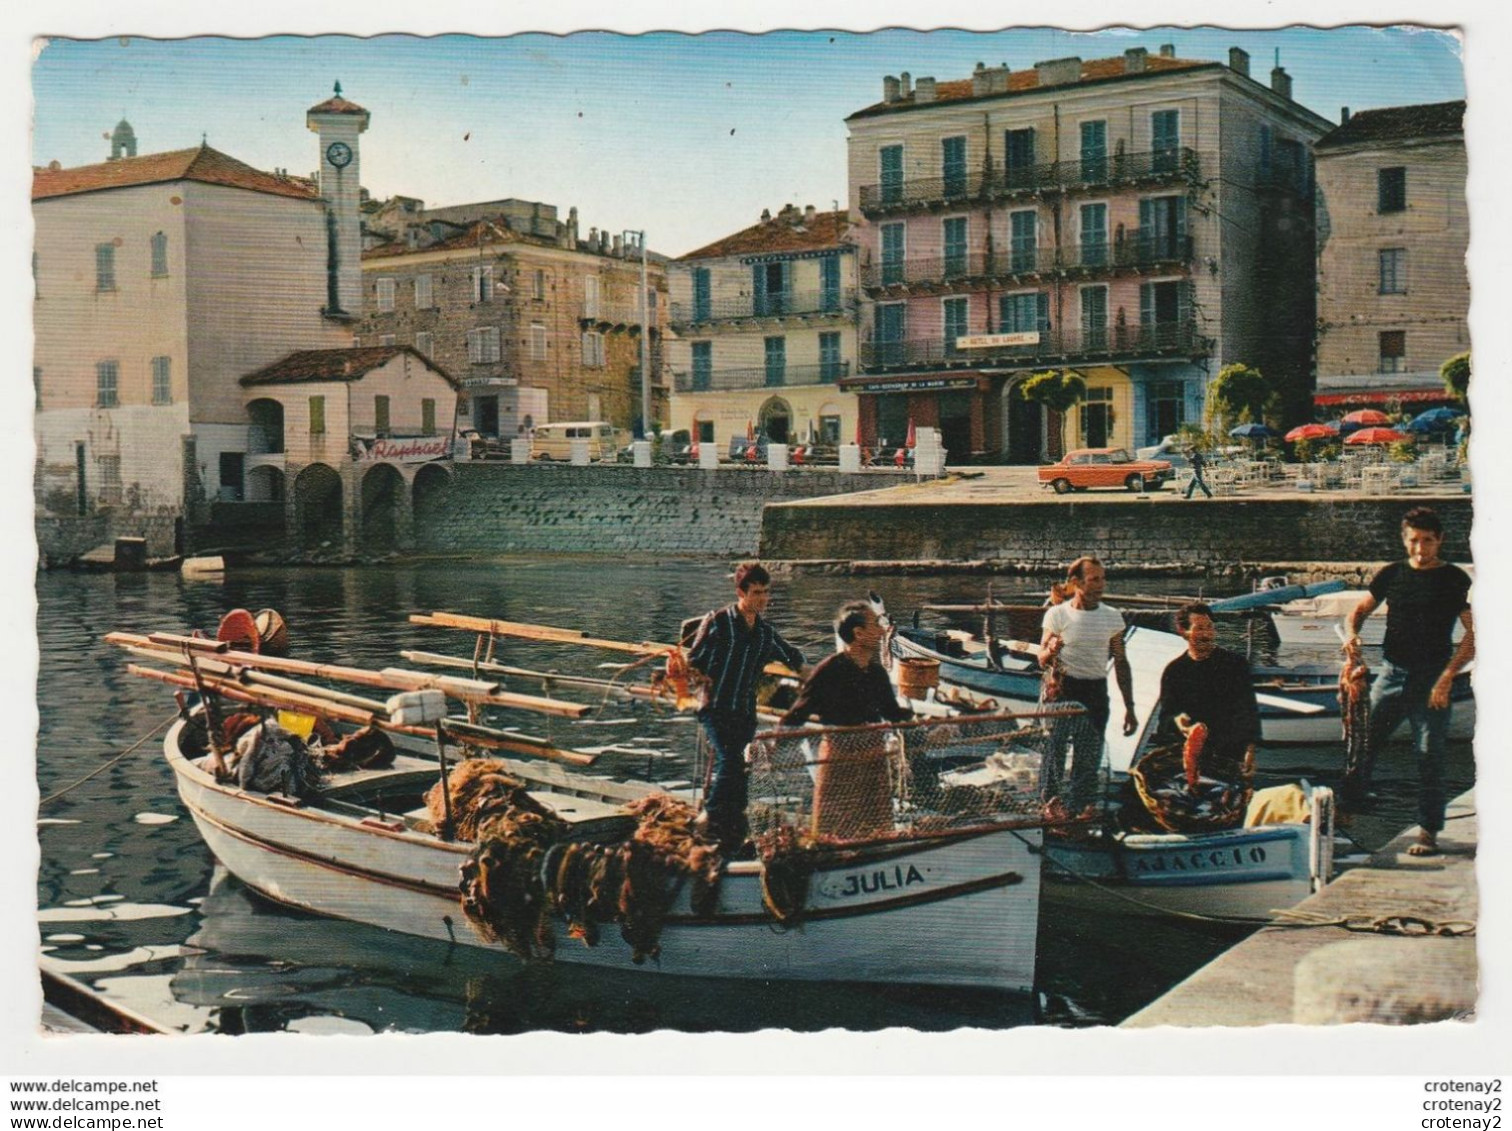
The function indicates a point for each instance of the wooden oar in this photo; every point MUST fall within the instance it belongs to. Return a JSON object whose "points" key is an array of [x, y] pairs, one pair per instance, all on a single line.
{"points": [[548, 634], [476, 735], [159, 646]]}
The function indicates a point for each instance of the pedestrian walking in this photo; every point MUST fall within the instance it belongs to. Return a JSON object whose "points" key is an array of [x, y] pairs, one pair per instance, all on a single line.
{"points": [[1199, 464]]}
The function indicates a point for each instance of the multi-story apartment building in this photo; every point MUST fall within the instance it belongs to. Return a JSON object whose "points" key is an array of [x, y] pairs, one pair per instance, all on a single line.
{"points": [[1393, 229], [766, 330], [536, 323], [1142, 220], [160, 280]]}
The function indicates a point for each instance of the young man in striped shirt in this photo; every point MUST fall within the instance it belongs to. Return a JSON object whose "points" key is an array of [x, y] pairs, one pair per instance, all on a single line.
{"points": [[731, 648]]}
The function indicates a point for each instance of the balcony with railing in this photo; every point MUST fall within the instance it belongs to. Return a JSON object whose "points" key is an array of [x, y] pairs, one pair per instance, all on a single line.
{"points": [[1077, 345], [761, 377], [1020, 263], [616, 313], [784, 304], [1115, 171]]}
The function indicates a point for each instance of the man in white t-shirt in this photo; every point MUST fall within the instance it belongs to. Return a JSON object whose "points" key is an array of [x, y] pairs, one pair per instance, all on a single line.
{"points": [[1080, 634]]}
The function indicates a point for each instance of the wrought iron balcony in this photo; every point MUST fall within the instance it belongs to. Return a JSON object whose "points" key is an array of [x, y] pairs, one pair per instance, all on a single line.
{"points": [[1078, 345], [616, 313], [761, 377], [782, 305], [1029, 262], [1115, 170]]}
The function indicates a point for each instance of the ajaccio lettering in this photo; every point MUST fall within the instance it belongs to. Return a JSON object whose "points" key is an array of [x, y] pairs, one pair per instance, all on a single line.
{"points": [[1215, 859], [887, 879]]}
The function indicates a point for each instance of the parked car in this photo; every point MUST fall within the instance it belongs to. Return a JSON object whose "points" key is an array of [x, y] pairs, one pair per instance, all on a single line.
{"points": [[676, 447], [1105, 467], [554, 441]]}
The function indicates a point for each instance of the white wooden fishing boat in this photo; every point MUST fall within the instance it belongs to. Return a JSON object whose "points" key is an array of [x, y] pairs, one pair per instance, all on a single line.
{"points": [[951, 908]]}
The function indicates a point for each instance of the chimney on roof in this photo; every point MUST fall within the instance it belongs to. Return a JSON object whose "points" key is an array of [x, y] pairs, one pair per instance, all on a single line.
{"points": [[1281, 82], [619, 249], [1168, 51], [1057, 72], [593, 237], [926, 90], [1134, 60], [905, 85], [766, 215], [570, 230], [889, 88], [1344, 116], [979, 81], [604, 242], [997, 79], [808, 213], [1239, 61]]}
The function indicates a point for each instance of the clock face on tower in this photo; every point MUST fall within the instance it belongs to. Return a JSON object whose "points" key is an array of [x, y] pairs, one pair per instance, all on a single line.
{"points": [[339, 153]]}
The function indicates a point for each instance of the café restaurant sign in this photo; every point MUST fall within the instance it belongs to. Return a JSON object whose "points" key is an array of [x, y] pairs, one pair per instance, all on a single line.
{"points": [[402, 449]]}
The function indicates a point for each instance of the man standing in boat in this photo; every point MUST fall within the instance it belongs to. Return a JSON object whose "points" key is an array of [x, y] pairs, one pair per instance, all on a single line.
{"points": [[1079, 636], [852, 789], [730, 649], [1424, 596], [1211, 686]]}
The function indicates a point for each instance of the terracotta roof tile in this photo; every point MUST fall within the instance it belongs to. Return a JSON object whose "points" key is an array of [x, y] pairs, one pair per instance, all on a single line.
{"points": [[336, 106], [1027, 79], [1398, 123], [480, 233], [304, 366], [825, 230], [202, 163]]}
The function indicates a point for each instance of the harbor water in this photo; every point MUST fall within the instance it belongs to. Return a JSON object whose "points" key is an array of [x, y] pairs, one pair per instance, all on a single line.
{"points": [[132, 903]]}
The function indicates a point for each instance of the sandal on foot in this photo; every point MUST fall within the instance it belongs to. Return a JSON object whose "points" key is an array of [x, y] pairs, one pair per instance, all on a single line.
{"points": [[1426, 845]]}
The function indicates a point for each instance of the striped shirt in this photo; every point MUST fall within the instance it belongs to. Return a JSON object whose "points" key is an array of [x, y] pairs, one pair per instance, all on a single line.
{"points": [[732, 654]]}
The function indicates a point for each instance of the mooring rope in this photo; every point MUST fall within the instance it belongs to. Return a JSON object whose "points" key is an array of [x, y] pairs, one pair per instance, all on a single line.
{"points": [[132, 749]]}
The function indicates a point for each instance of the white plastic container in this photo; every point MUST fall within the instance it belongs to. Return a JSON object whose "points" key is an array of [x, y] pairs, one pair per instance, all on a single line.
{"points": [[416, 708]]}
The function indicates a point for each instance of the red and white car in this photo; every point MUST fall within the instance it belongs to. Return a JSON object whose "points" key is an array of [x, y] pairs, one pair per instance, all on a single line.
{"points": [[1105, 467]]}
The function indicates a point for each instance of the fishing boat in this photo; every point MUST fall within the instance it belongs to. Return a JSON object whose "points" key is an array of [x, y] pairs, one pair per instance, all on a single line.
{"points": [[945, 891], [1319, 622], [1299, 705], [1240, 874]]}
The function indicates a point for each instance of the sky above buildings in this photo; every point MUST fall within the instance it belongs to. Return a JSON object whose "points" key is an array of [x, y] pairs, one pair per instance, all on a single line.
{"points": [[687, 136]]}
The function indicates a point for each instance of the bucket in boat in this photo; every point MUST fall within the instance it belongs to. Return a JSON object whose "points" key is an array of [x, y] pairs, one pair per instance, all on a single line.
{"points": [[272, 632], [916, 676]]}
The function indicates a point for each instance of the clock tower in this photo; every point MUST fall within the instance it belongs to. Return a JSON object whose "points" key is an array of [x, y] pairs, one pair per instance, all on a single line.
{"points": [[338, 124]]}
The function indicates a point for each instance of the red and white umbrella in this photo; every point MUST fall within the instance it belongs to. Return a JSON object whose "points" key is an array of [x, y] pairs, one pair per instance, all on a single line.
{"points": [[1366, 417], [913, 438], [1376, 436], [1308, 432]]}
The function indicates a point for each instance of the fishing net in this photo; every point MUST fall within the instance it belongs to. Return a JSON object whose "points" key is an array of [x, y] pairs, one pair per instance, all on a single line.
{"points": [[819, 786]]}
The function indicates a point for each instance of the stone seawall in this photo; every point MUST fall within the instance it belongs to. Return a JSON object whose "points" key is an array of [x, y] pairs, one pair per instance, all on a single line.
{"points": [[1208, 535], [506, 508]]}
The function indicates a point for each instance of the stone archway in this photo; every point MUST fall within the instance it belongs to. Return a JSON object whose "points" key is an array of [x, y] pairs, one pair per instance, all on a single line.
{"points": [[319, 512], [430, 495], [265, 484], [775, 420], [383, 508]]}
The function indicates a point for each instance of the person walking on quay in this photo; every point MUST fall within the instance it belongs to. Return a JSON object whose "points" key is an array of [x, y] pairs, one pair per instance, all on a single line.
{"points": [[731, 647], [1079, 636], [1199, 465], [852, 789], [1211, 686], [1424, 595]]}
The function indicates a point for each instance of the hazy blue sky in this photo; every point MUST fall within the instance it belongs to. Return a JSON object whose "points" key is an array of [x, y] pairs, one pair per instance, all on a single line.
{"points": [[687, 136]]}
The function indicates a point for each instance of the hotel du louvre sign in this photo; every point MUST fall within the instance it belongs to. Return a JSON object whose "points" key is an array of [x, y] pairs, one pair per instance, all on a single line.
{"points": [[997, 341], [400, 449]]}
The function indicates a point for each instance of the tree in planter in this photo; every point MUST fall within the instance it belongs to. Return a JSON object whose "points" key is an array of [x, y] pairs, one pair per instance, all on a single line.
{"points": [[1456, 375], [1239, 395], [1058, 389]]}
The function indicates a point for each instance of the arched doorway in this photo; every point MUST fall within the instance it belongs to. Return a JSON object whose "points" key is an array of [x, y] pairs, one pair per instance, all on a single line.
{"points": [[318, 510], [265, 484], [776, 420], [265, 436], [429, 497], [382, 489]]}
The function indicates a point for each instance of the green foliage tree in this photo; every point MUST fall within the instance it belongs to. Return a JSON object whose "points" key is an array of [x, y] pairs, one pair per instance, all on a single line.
{"points": [[1456, 375], [1238, 395], [1058, 389]]}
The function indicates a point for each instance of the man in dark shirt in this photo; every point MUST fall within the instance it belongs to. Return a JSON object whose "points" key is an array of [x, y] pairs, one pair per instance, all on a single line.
{"points": [[1212, 686], [1199, 465], [731, 648], [1424, 595], [852, 789]]}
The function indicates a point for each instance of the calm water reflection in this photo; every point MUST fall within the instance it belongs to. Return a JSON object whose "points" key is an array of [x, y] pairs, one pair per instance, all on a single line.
{"points": [[132, 902]]}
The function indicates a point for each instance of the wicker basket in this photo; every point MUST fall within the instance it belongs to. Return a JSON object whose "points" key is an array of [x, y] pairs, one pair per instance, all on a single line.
{"points": [[1215, 805]]}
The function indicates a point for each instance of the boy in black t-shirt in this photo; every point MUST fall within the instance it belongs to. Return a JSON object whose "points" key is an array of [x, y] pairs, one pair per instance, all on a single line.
{"points": [[1424, 596]]}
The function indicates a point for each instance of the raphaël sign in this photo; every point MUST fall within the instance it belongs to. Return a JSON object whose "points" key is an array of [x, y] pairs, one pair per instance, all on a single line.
{"points": [[402, 449]]}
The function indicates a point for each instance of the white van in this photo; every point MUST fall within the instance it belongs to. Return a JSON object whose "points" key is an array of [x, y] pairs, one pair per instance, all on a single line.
{"points": [[554, 441]]}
